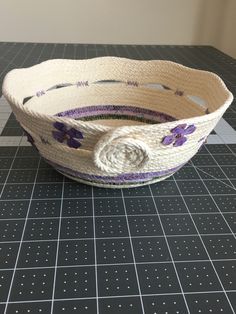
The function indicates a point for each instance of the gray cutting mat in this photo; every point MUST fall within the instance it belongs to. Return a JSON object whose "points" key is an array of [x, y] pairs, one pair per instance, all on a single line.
{"points": [[69, 248]]}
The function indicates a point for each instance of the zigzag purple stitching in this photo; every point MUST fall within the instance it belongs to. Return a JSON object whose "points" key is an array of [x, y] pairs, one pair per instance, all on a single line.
{"points": [[133, 83], [179, 92], [82, 83], [40, 93]]}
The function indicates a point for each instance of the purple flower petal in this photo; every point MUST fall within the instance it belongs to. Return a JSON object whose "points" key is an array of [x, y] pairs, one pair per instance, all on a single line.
{"points": [[179, 129], [190, 129], [59, 126], [180, 141], [73, 143], [59, 136], [74, 133], [167, 140]]}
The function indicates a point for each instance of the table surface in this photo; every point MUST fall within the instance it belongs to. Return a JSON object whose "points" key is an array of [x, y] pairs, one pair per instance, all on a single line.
{"points": [[70, 248]]}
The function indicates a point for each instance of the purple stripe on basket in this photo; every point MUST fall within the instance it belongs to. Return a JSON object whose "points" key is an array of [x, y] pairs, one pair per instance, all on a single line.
{"points": [[160, 118], [127, 177], [120, 109]]}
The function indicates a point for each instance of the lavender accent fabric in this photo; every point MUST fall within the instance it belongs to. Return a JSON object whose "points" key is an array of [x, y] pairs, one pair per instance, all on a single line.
{"points": [[119, 109], [127, 177]]}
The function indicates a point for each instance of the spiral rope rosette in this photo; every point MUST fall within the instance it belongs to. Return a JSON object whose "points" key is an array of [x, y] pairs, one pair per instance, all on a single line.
{"points": [[121, 154], [116, 122]]}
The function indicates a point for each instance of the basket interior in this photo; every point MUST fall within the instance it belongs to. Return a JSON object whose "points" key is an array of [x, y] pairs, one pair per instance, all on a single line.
{"points": [[117, 103], [117, 91]]}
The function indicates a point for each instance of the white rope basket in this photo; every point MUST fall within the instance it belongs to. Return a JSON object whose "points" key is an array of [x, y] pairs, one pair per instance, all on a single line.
{"points": [[116, 122]]}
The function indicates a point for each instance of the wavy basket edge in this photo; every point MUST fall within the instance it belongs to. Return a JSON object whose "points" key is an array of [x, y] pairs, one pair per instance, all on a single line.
{"points": [[108, 134]]}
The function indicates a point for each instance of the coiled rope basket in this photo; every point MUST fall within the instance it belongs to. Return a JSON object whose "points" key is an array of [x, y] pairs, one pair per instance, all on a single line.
{"points": [[116, 122]]}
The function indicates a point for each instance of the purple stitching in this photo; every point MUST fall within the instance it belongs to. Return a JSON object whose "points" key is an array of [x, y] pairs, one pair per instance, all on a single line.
{"points": [[179, 92], [126, 177], [82, 83], [132, 83], [40, 93]]}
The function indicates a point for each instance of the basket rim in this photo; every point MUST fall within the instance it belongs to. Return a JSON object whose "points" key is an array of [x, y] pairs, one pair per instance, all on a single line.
{"points": [[16, 73]]}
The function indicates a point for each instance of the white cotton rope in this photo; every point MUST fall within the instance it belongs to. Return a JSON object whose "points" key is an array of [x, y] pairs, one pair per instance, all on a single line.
{"points": [[100, 121]]}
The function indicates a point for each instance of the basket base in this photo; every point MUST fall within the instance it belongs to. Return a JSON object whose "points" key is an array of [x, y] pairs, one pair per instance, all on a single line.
{"points": [[115, 186]]}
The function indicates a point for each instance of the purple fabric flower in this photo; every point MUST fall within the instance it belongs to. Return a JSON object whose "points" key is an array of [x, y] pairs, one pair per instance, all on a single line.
{"points": [[69, 135], [178, 138]]}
